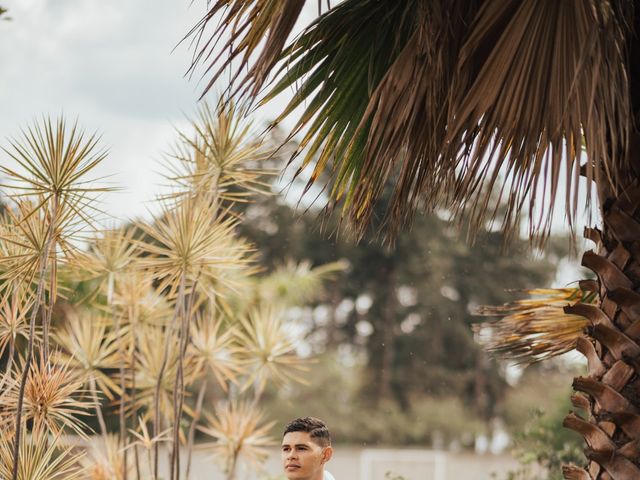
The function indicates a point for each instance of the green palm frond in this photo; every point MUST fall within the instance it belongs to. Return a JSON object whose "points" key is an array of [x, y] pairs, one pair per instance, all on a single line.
{"points": [[221, 158], [445, 101], [535, 328]]}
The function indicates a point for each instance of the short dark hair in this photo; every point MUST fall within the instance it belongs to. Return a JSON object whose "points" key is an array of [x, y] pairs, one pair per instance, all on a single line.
{"points": [[315, 427]]}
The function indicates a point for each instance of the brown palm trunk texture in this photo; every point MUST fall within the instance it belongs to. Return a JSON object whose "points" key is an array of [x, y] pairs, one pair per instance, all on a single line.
{"points": [[608, 397]]}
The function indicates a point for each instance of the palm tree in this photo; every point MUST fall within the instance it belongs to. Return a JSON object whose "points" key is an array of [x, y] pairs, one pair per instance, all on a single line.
{"points": [[467, 105]]}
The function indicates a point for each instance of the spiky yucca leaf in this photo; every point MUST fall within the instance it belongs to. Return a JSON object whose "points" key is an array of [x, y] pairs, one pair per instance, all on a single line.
{"points": [[15, 304], [41, 458], [536, 328], [138, 302], [191, 241], [221, 157], [52, 163], [24, 238], [214, 349], [421, 94], [149, 359], [294, 284], [104, 460], [54, 399], [89, 348], [239, 433], [110, 255], [268, 349]]}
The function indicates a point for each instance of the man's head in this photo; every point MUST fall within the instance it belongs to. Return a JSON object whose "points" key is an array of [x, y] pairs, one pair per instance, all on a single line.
{"points": [[306, 447]]}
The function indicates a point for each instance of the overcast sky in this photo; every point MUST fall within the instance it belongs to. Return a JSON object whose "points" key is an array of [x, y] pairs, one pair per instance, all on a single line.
{"points": [[111, 64]]}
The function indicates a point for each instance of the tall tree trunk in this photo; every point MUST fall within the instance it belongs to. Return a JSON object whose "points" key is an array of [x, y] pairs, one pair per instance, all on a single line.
{"points": [[610, 393]]}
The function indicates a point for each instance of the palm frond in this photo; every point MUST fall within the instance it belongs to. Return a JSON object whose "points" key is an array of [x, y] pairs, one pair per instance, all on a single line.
{"points": [[248, 23], [451, 102], [535, 328]]}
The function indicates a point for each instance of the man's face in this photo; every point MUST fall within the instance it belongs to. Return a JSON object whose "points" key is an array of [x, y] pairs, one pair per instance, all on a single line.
{"points": [[302, 458]]}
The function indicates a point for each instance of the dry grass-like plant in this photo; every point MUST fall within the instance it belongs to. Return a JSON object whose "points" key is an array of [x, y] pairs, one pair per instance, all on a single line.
{"points": [[104, 460], [268, 350], [41, 458], [239, 433]]}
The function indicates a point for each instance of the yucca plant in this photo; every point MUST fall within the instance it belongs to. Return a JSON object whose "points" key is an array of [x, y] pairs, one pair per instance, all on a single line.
{"points": [[239, 433], [90, 350], [451, 104], [41, 458], [269, 350], [48, 177]]}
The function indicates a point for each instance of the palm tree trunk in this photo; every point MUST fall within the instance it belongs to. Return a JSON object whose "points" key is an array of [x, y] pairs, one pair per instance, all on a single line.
{"points": [[610, 393]]}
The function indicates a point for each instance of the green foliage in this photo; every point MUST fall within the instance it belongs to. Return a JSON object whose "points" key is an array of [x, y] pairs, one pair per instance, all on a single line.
{"points": [[543, 445]]}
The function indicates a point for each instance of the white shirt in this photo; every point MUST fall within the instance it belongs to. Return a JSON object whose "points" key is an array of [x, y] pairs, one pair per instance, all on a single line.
{"points": [[328, 476]]}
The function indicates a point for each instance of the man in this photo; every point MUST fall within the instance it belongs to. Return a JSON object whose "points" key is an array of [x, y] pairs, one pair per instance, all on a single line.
{"points": [[306, 448]]}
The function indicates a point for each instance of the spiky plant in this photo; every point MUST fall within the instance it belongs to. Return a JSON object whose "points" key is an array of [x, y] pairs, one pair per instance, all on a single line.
{"points": [[90, 349], [239, 433], [269, 350], [147, 442], [41, 458], [192, 241], [49, 167], [222, 157], [105, 460], [54, 399]]}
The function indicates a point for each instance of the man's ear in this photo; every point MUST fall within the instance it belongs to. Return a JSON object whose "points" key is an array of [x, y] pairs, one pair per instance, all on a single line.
{"points": [[327, 453]]}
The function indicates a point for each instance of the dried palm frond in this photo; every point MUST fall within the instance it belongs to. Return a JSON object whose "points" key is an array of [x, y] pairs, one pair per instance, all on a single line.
{"points": [[41, 458], [534, 329], [294, 284], [190, 241], [214, 349], [53, 399], [248, 24], [89, 348], [239, 433], [267, 350], [104, 460], [53, 162], [221, 157], [444, 99]]}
